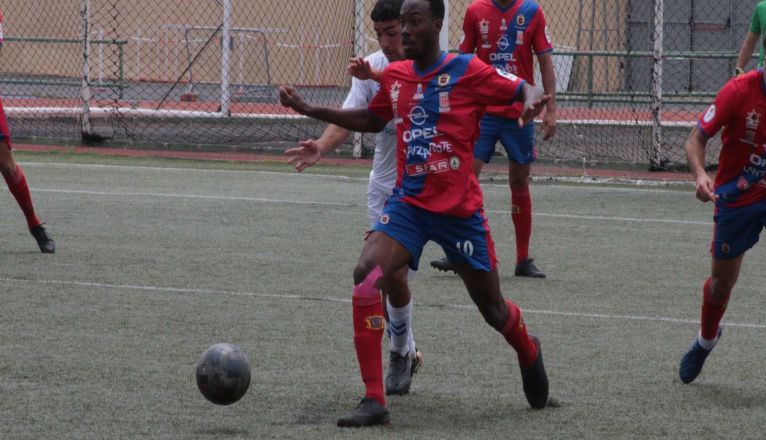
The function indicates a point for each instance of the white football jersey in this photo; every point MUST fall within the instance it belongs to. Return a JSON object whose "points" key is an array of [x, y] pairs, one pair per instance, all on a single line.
{"points": [[383, 174]]}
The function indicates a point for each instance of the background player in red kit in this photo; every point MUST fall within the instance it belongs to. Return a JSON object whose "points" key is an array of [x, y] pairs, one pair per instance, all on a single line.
{"points": [[17, 182], [739, 195], [435, 99], [505, 34]]}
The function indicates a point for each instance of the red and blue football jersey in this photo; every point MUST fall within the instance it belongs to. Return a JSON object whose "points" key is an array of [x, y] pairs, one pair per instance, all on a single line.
{"points": [[506, 38], [437, 116], [738, 109]]}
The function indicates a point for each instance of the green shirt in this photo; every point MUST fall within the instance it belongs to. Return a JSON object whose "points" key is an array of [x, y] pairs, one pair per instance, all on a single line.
{"points": [[758, 26]]}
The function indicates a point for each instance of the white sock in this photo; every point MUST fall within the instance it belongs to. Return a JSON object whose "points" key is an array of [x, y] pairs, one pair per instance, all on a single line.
{"points": [[707, 344], [400, 319]]}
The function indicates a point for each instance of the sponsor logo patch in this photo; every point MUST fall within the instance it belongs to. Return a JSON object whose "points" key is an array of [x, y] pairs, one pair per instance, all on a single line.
{"points": [[420, 169], [709, 114]]}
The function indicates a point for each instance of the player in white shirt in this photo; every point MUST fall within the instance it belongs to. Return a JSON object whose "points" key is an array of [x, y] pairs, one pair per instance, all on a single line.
{"points": [[405, 359]]}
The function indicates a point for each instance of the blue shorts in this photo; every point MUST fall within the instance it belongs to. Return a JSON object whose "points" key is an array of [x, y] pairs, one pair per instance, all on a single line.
{"points": [[737, 230], [464, 240], [519, 143]]}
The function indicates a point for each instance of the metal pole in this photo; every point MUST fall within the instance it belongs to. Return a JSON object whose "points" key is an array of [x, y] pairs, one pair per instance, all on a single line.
{"points": [[360, 40], [85, 92], [226, 58], [360, 50], [656, 159]]}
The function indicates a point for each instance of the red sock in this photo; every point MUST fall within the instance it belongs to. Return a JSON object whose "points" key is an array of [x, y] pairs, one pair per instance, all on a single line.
{"points": [[369, 325], [712, 311], [521, 213], [17, 184], [515, 332]]}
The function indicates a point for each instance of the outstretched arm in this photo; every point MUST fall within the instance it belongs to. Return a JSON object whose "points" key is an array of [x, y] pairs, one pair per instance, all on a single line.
{"points": [[695, 155], [358, 119], [309, 152]]}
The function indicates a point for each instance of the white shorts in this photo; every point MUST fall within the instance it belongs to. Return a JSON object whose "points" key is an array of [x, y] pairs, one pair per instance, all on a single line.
{"points": [[376, 200]]}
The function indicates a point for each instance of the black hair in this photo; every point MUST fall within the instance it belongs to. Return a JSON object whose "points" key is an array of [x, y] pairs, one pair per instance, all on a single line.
{"points": [[386, 10], [437, 9]]}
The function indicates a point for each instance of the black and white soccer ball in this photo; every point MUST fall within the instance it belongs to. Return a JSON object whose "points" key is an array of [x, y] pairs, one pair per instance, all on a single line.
{"points": [[223, 374]]}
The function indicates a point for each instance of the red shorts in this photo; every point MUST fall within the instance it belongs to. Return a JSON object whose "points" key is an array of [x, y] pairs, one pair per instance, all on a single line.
{"points": [[5, 134]]}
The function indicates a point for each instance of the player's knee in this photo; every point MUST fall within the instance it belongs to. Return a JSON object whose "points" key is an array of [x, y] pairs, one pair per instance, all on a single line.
{"points": [[720, 289], [519, 183], [364, 269], [494, 315]]}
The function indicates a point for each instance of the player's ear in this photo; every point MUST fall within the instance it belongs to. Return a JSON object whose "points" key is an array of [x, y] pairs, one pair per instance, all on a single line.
{"points": [[438, 24]]}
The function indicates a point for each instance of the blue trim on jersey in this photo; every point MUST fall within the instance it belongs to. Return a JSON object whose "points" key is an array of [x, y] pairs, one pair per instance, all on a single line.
{"points": [[544, 52], [430, 68], [702, 130], [731, 191], [419, 149], [528, 9]]}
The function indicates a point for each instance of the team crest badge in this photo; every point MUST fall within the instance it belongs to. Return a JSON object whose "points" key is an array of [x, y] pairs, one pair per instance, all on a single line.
{"points": [[725, 248], [443, 80], [384, 219], [374, 322], [454, 162], [520, 20]]}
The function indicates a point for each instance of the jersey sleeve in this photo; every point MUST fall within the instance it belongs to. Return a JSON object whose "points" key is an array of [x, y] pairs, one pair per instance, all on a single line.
{"points": [[541, 39], [359, 96], [468, 42], [755, 22], [380, 105], [720, 112], [494, 86]]}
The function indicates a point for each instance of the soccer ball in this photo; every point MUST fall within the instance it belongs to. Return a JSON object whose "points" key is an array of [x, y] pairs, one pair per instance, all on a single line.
{"points": [[223, 374]]}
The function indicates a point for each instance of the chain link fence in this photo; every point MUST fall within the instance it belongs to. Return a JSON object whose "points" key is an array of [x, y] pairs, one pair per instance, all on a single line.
{"points": [[632, 75]]}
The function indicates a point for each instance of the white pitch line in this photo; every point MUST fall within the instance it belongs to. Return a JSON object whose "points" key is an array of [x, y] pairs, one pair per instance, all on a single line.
{"points": [[589, 187], [193, 196], [181, 290], [337, 204]]}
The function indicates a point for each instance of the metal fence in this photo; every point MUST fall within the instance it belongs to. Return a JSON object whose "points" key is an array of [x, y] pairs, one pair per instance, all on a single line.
{"points": [[632, 75]]}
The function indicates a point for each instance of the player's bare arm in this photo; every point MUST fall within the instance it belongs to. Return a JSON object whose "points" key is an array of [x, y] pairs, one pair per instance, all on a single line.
{"points": [[549, 87], [695, 155], [534, 103], [311, 151], [746, 51], [358, 119]]}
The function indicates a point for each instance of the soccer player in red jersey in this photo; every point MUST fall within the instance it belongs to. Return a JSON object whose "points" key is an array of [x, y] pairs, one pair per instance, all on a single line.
{"points": [[436, 100], [738, 194], [17, 182], [404, 358], [505, 34]]}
